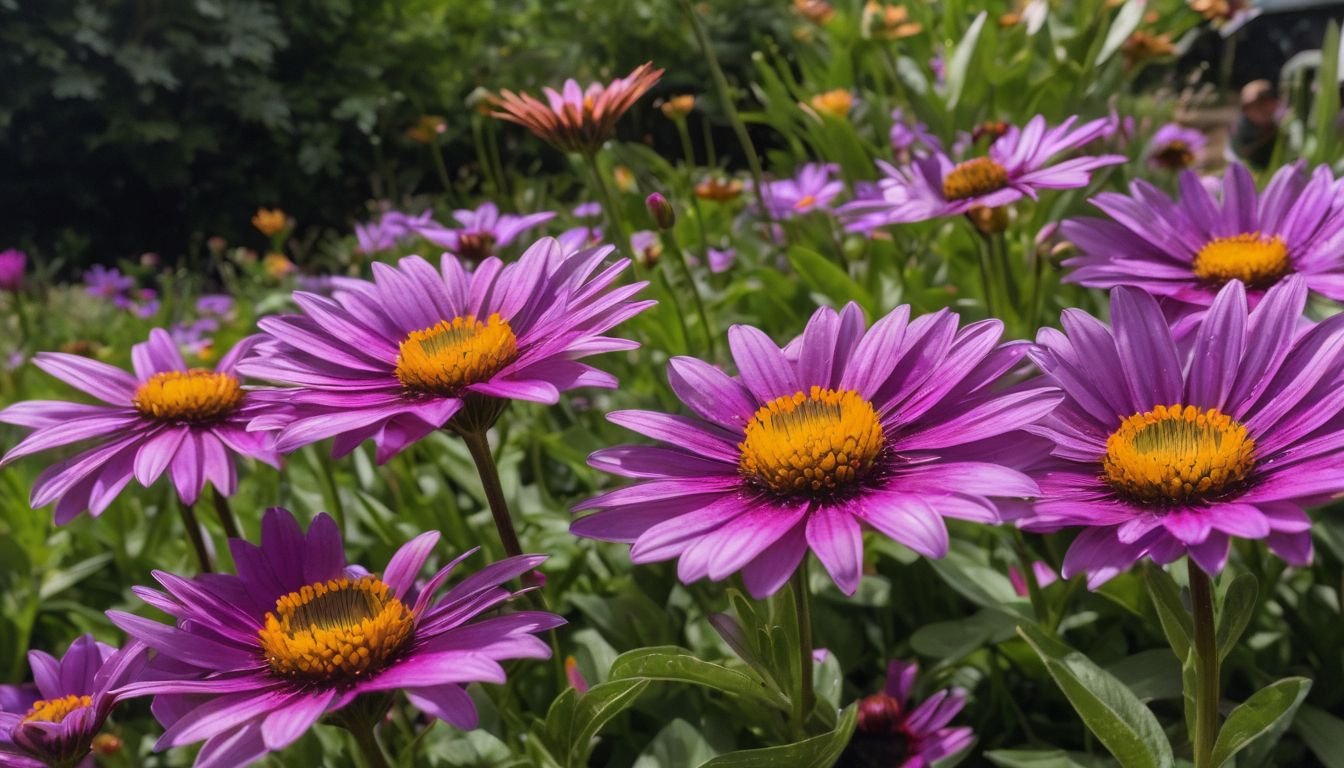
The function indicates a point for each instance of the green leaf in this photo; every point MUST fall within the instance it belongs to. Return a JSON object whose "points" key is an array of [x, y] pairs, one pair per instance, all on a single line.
{"points": [[1265, 715], [594, 709], [1323, 733], [679, 743], [829, 279], [1149, 674], [817, 752], [1044, 758], [1126, 21], [673, 664], [1326, 107], [1176, 622], [1111, 711], [960, 61], [1238, 607]]}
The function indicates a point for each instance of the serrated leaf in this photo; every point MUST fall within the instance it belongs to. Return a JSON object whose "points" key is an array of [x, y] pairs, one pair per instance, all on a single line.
{"points": [[674, 664], [817, 752], [1111, 711], [1266, 714], [1237, 610]]}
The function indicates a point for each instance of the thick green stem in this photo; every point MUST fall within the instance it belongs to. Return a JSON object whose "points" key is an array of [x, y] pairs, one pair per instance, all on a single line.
{"points": [[1206, 666], [1027, 564], [615, 223], [442, 169], [479, 447], [362, 729], [193, 527], [225, 514], [670, 244], [805, 700]]}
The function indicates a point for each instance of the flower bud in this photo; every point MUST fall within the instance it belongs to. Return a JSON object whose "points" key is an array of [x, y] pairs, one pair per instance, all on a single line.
{"points": [[879, 715], [661, 210]]}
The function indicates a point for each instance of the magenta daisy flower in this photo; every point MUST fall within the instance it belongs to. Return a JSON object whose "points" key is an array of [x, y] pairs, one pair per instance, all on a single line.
{"points": [[895, 428], [1018, 164], [1175, 147], [812, 189], [53, 723], [12, 264], [253, 661], [576, 119], [188, 422], [892, 733], [1187, 250], [482, 231], [1163, 450], [397, 358]]}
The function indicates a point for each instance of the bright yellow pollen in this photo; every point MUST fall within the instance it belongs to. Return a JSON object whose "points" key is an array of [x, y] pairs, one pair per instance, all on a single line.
{"points": [[978, 176], [56, 710], [444, 358], [1253, 259], [812, 443], [335, 631], [198, 395], [1177, 455]]}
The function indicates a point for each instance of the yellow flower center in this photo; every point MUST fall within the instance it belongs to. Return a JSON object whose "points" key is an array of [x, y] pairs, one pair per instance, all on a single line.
{"points": [[1178, 455], [1175, 155], [196, 396], [335, 631], [812, 443], [444, 358], [56, 710], [805, 202], [1253, 259], [975, 177]]}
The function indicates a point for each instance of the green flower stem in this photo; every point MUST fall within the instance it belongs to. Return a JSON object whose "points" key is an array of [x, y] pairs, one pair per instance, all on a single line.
{"points": [[225, 514], [193, 527], [1206, 666], [615, 222], [479, 447], [670, 244], [1038, 606], [362, 729], [805, 700], [442, 169]]}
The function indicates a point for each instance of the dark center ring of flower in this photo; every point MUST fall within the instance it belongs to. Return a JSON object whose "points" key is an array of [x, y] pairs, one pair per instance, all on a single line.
{"points": [[1252, 258], [444, 358], [196, 396], [56, 710], [975, 177], [1177, 454], [335, 631], [814, 443]]}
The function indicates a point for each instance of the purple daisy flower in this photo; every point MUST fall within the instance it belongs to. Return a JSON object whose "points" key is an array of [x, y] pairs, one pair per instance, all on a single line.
{"points": [[895, 427], [54, 721], [12, 264], [482, 231], [219, 305], [1017, 165], [188, 422], [1162, 450], [890, 732], [1175, 147], [1187, 250], [419, 347], [108, 283], [253, 661], [391, 229], [909, 135], [812, 189]]}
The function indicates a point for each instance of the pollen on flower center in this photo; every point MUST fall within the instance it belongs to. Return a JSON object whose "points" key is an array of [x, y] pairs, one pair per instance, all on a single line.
{"points": [[196, 396], [335, 631], [444, 358], [1178, 455], [812, 443], [56, 710], [475, 246], [1255, 260], [805, 202], [978, 176]]}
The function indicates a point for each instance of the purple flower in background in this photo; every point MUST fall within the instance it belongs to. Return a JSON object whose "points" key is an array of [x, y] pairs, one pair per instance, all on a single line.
{"points": [[482, 231], [399, 357], [578, 239], [811, 190], [938, 66], [909, 135], [587, 210], [1045, 576], [219, 305], [252, 662], [1175, 147], [721, 259], [894, 427], [53, 722], [1017, 165], [108, 283], [1162, 450], [890, 732], [391, 229], [1187, 250], [12, 264], [145, 304], [194, 338], [188, 422]]}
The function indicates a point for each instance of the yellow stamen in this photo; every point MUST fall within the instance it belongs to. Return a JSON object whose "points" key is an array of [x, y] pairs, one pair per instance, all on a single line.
{"points": [[56, 710], [805, 202], [1253, 259], [336, 630], [1177, 455], [978, 176], [444, 358], [812, 443], [198, 395]]}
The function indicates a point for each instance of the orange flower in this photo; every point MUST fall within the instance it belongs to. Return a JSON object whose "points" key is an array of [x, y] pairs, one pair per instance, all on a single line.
{"points": [[816, 11], [574, 118], [718, 190], [677, 107], [426, 129], [277, 265], [270, 221], [835, 103], [1142, 46], [624, 178], [888, 22]]}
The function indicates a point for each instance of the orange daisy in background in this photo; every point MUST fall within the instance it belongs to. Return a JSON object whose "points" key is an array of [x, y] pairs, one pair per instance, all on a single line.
{"points": [[573, 118]]}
